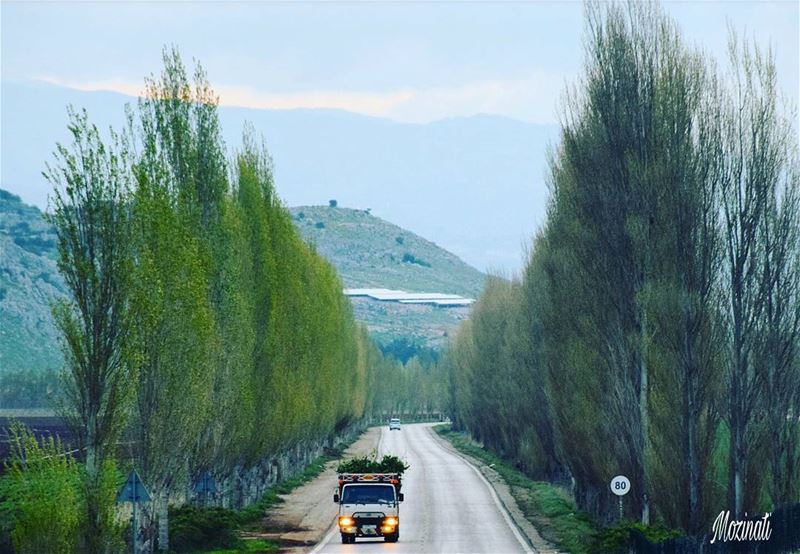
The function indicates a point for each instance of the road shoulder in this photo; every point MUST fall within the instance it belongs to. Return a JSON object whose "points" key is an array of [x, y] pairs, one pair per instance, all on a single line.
{"points": [[503, 491], [308, 512]]}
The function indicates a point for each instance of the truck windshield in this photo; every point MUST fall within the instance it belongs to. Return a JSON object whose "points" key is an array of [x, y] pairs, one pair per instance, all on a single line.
{"points": [[368, 494]]}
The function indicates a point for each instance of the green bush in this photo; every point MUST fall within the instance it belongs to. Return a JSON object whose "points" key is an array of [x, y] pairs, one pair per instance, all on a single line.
{"points": [[40, 495], [412, 259], [618, 537], [35, 244], [193, 528]]}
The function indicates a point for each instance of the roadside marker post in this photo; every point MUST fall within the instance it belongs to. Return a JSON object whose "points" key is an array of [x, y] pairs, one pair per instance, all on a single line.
{"points": [[134, 491], [620, 485]]}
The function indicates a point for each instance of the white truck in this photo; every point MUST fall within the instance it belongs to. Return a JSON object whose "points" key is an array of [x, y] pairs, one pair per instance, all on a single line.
{"points": [[369, 506]]}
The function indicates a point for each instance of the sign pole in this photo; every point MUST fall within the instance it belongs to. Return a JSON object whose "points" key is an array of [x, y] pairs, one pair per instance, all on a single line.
{"points": [[620, 485], [134, 491], [133, 525]]}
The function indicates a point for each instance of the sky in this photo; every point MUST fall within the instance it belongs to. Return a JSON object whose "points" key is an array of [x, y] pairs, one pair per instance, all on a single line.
{"points": [[408, 61]]}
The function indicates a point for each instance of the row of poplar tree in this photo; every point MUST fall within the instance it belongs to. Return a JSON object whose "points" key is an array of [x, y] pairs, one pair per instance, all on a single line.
{"points": [[655, 331], [201, 332]]}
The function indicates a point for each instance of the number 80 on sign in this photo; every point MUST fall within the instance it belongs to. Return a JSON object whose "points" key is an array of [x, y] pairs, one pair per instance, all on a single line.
{"points": [[620, 485]]}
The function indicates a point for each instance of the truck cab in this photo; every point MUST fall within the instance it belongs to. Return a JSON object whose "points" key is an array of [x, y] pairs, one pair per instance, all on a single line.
{"points": [[369, 506]]}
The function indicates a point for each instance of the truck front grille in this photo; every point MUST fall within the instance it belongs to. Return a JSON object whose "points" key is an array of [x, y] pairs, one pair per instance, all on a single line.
{"points": [[368, 521]]}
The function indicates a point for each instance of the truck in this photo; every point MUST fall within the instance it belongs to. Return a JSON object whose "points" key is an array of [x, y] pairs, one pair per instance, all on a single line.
{"points": [[369, 506]]}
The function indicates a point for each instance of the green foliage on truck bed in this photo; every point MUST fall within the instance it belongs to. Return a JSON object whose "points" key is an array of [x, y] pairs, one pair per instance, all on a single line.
{"points": [[387, 464]]}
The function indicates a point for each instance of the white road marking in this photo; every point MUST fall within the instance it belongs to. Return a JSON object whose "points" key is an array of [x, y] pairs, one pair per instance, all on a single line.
{"points": [[517, 535], [526, 547], [326, 540]]}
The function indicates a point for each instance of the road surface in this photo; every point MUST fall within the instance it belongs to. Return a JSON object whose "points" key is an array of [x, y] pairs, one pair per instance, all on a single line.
{"points": [[448, 506]]}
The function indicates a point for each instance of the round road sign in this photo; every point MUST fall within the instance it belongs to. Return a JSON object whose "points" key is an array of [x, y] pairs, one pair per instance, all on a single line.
{"points": [[620, 485]]}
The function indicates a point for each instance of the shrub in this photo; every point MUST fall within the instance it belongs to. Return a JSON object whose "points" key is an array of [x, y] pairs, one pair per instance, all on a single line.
{"points": [[618, 538], [332, 203], [411, 259], [35, 244], [319, 225], [40, 494], [193, 528]]}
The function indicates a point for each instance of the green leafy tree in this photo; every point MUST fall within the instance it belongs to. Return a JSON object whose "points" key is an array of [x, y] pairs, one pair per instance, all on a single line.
{"points": [[91, 216], [758, 185], [655, 327], [201, 323]]}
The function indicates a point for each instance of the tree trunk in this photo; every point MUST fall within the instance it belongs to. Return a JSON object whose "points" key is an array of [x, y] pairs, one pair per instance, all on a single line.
{"points": [[737, 494], [643, 417], [163, 523], [93, 530]]}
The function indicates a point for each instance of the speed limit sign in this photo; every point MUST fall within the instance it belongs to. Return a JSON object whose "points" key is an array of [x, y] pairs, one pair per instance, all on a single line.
{"points": [[620, 485]]}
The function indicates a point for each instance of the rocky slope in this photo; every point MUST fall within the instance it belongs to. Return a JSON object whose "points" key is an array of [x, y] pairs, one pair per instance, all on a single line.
{"points": [[366, 251], [29, 280]]}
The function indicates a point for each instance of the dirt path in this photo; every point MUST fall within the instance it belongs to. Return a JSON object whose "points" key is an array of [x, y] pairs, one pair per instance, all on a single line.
{"points": [[308, 511]]}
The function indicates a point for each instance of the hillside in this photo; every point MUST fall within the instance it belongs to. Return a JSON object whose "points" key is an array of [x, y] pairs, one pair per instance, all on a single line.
{"points": [[367, 252], [29, 279], [370, 252]]}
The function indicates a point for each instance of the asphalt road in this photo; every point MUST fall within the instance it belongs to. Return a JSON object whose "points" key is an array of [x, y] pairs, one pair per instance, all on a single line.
{"points": [[448, 506]]}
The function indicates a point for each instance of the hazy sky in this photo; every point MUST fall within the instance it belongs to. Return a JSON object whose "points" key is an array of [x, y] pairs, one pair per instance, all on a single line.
{"points": [[413, 62]]}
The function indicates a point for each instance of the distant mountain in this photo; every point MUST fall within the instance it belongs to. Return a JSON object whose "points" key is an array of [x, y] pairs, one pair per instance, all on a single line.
{"points": [[369, 252], [474, 185], [29, 280], [366, 251]]}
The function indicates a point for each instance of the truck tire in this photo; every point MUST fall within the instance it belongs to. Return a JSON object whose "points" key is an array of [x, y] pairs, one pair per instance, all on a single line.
{"points": [[393, 537], [347, 538]]}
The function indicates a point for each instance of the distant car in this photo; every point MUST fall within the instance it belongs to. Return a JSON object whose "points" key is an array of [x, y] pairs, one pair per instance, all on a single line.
{"points": [[394, 423]]}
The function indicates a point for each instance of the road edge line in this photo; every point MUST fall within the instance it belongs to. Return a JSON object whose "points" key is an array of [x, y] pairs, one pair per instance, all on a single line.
{"points": [[507, 514], [325, 540]]}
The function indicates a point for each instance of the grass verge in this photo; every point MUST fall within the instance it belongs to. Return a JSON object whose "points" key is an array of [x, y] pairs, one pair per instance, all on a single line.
{"points": [[552, 511], [548, 507], [255, 546]]}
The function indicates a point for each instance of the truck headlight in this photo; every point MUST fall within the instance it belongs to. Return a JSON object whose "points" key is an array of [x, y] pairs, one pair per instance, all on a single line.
{"points": [[345, 521], [392, 521]]}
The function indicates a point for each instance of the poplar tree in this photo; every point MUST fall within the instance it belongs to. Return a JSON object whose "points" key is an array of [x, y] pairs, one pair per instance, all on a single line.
{"points": [[91, 216]]}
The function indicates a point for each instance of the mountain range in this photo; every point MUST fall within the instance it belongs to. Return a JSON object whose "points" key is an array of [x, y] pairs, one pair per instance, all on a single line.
{"points": [[474, 185]]}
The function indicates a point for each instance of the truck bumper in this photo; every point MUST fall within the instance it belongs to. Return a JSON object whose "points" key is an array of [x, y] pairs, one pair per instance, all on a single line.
{"points": [[366, 530]]}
